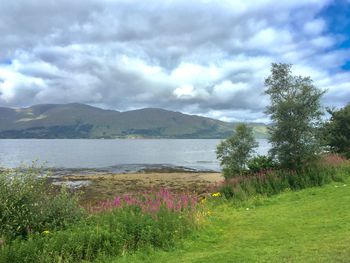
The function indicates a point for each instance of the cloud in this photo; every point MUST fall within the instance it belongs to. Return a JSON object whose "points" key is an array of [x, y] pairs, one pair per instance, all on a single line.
{"points": [[202, 57]]}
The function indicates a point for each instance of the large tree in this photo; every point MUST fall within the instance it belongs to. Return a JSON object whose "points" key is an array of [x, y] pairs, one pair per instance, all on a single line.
{"points": [[295, 111], [337, 131], [235, 151]]}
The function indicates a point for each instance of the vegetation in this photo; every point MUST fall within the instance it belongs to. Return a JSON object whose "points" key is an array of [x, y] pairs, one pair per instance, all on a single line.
{"points": [[295, 112], [337, 131], [54, 229], [113, 233], [294, 134], [312, 225], [270, 182], [138, 224], [235, 151], [261, 163], [28, 204]]}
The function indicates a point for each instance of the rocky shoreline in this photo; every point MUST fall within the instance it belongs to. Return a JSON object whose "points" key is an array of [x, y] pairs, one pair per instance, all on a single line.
{"points": [[105, 183]]}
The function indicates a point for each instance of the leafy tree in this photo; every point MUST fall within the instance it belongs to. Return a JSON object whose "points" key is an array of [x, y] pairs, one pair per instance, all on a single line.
{"points": [[295, 111], [235, 151], [337, 131], [261, 163]]}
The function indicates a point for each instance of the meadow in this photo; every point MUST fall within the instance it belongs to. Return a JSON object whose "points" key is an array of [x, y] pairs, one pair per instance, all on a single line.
{"points": [[267, 216], [310, 225]]}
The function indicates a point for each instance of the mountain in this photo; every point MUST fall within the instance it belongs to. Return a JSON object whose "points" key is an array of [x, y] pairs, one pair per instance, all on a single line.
{"points": [[83, 121]]}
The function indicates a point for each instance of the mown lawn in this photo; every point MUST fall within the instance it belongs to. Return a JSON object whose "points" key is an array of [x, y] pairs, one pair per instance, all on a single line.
{"points": [[311, 225]]}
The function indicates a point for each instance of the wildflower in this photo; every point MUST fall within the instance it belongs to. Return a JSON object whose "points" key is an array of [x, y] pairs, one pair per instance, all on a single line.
{"points": [[247, 208], [209, 213], [117, 201], [344, 185], [216, 194], [203, 200], [46, 232]]}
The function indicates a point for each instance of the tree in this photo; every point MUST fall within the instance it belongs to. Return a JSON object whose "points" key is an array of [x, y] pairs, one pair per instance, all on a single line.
{"points": [[295, 111], [235, 151], [337, 131]]}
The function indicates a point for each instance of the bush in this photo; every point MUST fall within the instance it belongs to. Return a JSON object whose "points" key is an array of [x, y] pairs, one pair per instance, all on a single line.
{"points": [[28, 204], [269, 182], [227, 191], [337, 131], [235, 151], [261, 163], [122, 225]]}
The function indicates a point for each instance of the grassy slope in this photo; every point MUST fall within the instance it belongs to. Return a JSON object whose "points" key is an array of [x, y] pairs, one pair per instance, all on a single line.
{"points": [[312, 225], [66, 120]]}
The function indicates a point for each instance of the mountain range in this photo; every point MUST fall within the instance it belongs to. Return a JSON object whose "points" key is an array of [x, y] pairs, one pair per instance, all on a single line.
{"points": [[74, 120]]}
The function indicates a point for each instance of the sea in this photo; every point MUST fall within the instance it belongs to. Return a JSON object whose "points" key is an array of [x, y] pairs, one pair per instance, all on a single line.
{"points": [[117, 155]]}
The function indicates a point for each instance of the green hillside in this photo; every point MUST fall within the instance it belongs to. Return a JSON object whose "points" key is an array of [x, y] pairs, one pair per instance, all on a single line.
{"points": [[84, 121]]}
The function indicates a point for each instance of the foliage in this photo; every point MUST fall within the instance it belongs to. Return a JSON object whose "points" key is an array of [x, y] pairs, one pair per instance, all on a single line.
{"points": [[312, 225], [261, 163], [123, 225], [269, 182], [337, 131], [296, 115], [150, 202], [158, 219], [28, 204], [235, 151]]}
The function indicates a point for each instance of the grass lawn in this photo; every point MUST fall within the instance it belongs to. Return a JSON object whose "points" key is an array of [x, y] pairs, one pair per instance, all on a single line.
{"points": [[311, 225]]}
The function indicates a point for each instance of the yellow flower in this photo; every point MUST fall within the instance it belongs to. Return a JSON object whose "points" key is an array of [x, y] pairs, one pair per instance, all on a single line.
{"points": [[203, 201], [46, 232], [216, 194], [209, 213]]}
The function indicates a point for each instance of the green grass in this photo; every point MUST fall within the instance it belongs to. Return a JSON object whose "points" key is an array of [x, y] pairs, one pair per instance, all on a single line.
{"points": [[312, 225]]}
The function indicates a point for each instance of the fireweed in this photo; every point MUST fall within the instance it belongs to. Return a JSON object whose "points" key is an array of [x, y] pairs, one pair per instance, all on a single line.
{"points": [[154, 219], [269, 182], [151, 202]]}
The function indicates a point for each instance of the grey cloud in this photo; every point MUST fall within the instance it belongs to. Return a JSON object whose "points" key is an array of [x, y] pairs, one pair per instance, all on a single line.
{"points": [[132, 54]]}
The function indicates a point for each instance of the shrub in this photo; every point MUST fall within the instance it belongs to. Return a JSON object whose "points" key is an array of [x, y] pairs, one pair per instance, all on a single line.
{"points": [[261, 163], [227, 191], [337, 131], [28, 204], [120, 226], [235, 151], [269, 182]]}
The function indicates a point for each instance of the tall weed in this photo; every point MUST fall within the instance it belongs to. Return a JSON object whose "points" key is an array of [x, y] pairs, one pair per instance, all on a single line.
{"points": [[29, 204], [269, 182]]}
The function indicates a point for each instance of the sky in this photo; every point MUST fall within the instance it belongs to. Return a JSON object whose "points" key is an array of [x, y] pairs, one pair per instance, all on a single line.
{"points": [[202, 57]]}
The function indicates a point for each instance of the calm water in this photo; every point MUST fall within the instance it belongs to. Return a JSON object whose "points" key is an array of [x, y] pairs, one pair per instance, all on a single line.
{"points": [[118, 154]]}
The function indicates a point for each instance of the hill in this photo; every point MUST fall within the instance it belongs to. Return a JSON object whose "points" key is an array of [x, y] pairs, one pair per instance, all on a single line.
{"points": [[83, 121]]}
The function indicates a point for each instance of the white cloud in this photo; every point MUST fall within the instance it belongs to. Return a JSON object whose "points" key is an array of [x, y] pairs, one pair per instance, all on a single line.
{"points": [[185, 91], [204, 57], [227, 90], [314, 27]]}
